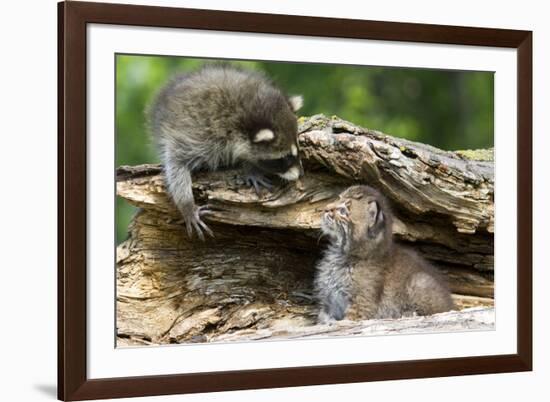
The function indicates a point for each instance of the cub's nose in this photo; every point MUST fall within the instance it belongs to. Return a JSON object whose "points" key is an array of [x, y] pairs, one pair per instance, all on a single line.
{"points": [[329, 209]]}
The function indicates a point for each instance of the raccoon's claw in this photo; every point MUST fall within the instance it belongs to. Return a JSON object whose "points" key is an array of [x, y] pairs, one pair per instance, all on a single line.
{"points": [[204, 210], [258, 181], [195, 223]]}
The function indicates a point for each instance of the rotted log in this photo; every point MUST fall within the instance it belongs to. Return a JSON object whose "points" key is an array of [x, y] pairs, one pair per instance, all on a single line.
{"points": [[255, 276]]}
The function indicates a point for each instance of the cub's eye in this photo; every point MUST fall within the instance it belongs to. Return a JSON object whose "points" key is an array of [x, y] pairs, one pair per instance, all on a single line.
{"points": [[342, 211]]}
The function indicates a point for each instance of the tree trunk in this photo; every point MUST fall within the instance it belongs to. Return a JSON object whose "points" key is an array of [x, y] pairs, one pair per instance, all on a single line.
{"points": [[254, 279]]}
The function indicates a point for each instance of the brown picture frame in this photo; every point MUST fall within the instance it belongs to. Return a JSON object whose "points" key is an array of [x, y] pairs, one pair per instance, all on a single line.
{"points": [[73, 383]]}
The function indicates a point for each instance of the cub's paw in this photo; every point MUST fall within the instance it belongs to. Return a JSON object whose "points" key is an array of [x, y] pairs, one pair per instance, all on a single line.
{"points": [[325, 319]]}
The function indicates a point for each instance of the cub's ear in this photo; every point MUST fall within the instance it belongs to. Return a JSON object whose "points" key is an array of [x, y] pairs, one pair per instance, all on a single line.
{"points": [[264, 135], [375, 214], [296, 102], [372, 212], [380, 218], [375, 221]]}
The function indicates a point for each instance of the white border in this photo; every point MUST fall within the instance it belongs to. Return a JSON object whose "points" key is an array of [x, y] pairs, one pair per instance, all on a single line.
{"points": [[106, 361]]}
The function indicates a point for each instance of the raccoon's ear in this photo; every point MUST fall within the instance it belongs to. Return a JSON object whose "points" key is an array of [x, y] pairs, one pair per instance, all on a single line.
{"points": [[296, 102], [264, 135]]}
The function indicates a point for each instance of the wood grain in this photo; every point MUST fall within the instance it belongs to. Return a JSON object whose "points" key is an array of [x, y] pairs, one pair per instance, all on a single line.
{"points": [[256, 274]]}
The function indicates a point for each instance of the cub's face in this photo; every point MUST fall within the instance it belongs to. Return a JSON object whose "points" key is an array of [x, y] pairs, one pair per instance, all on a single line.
{"points": [[357, 218]]}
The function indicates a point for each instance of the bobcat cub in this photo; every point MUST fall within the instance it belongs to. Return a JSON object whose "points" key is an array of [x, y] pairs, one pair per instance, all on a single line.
{"points": [[363, 273]]}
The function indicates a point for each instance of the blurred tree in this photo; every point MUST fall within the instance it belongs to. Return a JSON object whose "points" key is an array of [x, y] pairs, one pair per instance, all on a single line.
{"points": [[447, 109]]}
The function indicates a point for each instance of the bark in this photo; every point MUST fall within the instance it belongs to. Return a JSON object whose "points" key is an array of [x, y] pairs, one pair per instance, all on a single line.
{"points": [[478, 319], [254, 279]]}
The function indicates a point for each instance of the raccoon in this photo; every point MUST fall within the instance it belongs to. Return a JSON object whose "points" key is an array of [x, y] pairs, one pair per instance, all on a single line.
{"points": [[363, 273], [223, 116]]}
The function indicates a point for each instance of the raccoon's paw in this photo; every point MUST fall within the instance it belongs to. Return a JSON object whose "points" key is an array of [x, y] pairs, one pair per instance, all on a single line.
{"points": [[194, 223], [258, 181]]}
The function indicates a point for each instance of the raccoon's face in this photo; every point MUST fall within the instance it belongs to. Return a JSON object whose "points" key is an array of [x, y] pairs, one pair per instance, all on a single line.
{"points": [[358, 217], [285, 164], [273, 132]]}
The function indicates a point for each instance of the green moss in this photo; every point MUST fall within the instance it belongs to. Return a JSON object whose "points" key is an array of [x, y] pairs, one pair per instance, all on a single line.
{"points": [[477, 154]]}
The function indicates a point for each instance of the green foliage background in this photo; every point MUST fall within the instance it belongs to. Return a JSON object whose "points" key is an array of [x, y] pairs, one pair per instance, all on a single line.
{"points": [[447, 109]]}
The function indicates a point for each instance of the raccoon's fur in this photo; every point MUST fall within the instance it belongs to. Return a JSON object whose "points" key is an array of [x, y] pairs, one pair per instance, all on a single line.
{"points": [[363, 273], [221, 116]]}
